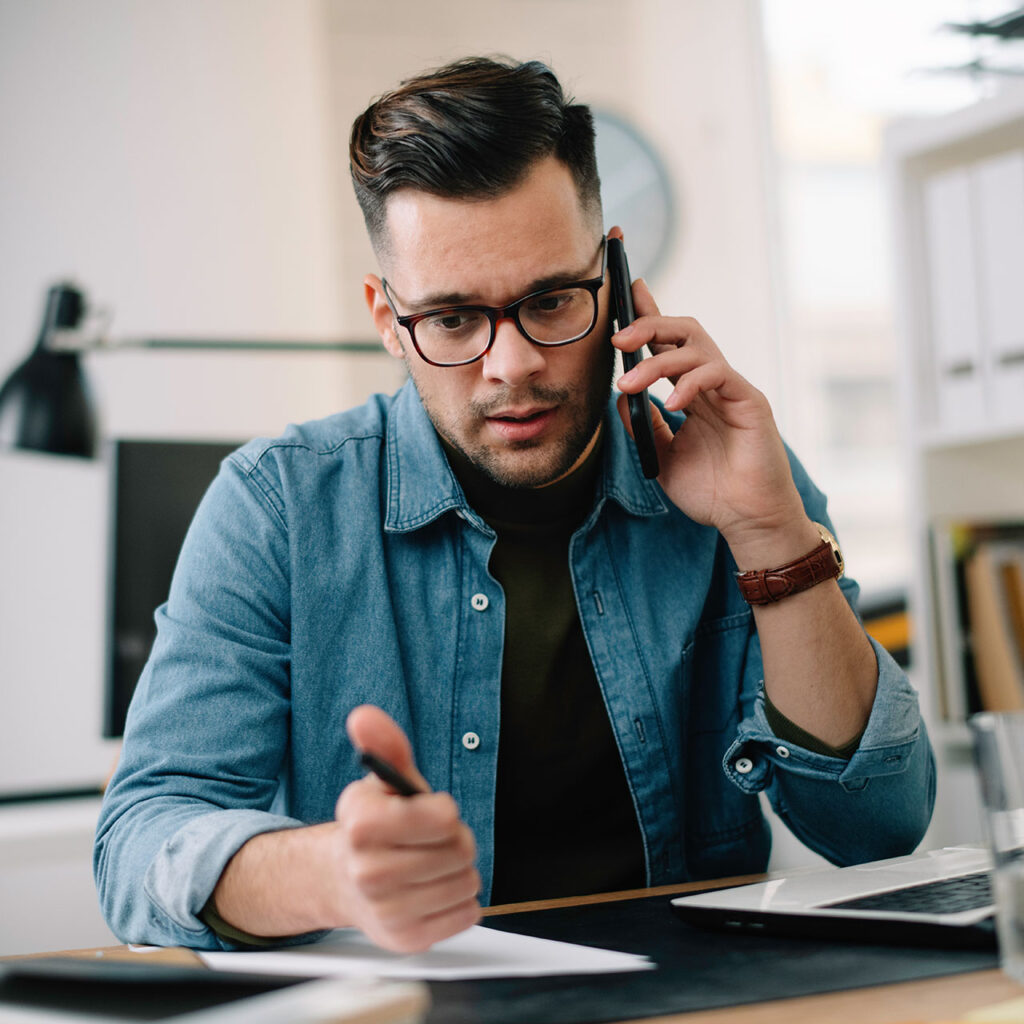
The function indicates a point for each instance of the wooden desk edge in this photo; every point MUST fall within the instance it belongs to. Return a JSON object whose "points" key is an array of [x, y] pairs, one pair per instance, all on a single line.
{"points": [[946, 998], [183, 956]]}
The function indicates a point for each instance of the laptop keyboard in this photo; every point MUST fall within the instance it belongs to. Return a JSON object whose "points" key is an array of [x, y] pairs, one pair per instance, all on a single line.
{"points": [[948, 896]]}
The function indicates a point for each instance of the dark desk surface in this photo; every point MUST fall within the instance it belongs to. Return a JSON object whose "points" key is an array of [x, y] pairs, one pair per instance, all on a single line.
{"points": [[933, 1000]]}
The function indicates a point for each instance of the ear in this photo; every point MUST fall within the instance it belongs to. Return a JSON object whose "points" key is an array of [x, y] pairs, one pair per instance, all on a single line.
{"points": [[383, 318]]}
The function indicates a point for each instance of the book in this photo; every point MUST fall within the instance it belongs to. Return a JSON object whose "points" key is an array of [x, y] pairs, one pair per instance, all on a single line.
{"points": [[978, 606], [1012, 574], [995, 608]]}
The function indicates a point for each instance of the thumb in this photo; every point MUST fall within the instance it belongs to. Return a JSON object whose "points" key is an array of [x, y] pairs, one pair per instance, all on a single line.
{"points": [[372, 730], [663, 434]]}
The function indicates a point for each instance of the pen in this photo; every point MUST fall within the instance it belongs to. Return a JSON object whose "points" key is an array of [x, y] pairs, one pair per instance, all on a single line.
{"points": [[389, 774]]}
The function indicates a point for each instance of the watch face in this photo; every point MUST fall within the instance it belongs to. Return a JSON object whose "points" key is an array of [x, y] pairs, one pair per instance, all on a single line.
{"points": [[826, 534]]}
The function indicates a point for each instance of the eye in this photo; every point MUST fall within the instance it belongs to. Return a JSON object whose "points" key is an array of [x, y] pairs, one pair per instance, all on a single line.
{"points": [[452, 321], [552, 304]]}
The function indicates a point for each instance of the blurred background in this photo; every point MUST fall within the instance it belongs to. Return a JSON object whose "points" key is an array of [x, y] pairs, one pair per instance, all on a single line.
{"points": [[182, 166]]}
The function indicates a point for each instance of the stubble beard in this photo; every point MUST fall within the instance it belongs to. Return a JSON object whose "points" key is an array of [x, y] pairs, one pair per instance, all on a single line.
{"points": [[511, 465]]}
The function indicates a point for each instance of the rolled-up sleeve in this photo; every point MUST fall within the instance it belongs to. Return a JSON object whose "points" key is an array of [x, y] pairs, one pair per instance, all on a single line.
{"points": [[207, 731], [875, 804]]}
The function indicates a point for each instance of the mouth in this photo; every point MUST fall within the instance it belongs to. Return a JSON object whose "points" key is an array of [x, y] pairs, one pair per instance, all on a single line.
{"points": [[521, 424], [519, 415]]}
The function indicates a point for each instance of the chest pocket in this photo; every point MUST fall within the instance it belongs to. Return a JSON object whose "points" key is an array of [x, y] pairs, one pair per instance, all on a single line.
{"points": [[713, 666]]}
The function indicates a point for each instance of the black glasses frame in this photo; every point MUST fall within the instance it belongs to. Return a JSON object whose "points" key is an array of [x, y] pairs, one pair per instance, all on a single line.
{"points": [[509, 312]]}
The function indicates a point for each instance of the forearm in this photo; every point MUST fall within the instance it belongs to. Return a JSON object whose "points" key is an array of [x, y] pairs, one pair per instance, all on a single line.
{"points": [[819, 667], [281, 884], [401, 869]]}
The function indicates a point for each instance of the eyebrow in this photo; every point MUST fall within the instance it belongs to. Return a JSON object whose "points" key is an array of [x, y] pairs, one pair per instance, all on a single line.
{"points": [[445, 300]]}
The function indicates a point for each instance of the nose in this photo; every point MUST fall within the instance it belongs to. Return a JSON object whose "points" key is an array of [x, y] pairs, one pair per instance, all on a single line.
{"points": [[512, 359]]}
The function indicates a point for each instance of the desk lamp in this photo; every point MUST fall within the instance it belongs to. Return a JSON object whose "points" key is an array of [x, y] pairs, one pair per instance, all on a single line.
{"points": [[44, 403]]}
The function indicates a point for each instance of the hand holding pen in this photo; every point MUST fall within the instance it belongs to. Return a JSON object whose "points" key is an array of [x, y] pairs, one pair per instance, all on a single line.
{"points": [[405, 858]]}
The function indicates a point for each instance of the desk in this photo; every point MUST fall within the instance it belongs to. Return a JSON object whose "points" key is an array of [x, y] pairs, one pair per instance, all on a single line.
{"points": [[936, 999]]}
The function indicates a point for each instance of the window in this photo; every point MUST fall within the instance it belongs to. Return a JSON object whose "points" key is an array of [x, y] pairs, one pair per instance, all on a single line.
{"points": [[837, 73]]}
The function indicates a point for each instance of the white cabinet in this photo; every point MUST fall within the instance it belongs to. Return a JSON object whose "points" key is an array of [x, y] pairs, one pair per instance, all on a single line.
{"points": [[46, 886], [956, 186], [57, 520], [954, 324], [999, 183]]}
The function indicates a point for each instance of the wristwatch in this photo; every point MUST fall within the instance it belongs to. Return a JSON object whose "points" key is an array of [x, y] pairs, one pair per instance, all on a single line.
{"points": [[764, 586]]}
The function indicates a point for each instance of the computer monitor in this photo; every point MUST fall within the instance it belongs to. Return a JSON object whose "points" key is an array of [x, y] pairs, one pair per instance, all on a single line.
{"points": [[157, 486]]}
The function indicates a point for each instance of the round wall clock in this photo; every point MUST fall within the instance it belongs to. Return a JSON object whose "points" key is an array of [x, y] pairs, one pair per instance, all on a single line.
{"points": [[636, 192]]}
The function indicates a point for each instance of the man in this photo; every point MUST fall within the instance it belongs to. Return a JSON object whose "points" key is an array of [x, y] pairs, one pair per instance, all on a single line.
{"points": [[473, 580]]}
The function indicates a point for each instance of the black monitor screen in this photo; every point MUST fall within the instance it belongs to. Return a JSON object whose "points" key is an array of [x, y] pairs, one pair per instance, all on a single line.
{"points": [[157, 487]]}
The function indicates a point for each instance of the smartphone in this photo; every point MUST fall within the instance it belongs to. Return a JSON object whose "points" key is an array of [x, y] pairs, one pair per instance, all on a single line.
{"points": [[623, 316]]}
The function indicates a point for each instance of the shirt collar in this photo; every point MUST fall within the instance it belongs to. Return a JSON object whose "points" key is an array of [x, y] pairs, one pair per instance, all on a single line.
{"points": [[421, 486], [623, 481]]}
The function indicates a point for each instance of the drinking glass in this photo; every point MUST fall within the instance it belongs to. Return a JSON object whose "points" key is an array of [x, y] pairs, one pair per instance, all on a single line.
{"points": [[999, 755]]}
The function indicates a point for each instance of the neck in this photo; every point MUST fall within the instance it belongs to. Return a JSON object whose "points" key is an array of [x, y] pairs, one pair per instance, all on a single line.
{"points": [[569, 495]]}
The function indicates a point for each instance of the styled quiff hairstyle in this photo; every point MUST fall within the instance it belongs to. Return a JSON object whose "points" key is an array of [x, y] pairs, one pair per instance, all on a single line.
{"points": [[469, 130]]}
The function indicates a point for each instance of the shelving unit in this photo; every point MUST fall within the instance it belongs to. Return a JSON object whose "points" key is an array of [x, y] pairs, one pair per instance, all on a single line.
{"points": [[956, 186]]}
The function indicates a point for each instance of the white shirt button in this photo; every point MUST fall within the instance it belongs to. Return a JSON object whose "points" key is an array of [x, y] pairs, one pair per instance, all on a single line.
{"points": [[470, 740], [479, 602], [743, 765], [782, 751]]}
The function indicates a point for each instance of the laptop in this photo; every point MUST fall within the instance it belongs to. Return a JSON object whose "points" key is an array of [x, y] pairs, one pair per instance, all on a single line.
{"points": [[940, 898]]}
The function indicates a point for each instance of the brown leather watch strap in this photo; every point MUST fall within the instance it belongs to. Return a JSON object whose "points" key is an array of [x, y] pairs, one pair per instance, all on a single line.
{"points": [[764, 586]]}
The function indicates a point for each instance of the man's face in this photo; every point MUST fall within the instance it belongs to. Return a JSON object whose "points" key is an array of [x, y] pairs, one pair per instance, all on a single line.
{"points": [[524, 414]]}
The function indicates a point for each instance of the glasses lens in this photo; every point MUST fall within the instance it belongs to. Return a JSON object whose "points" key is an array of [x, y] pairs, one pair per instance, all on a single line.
{"points": [[453, 336], [559, 315]]}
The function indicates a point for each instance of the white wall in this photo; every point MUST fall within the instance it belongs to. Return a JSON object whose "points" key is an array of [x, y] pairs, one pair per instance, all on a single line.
{"points": [[186, 160], [172, 156], [53, 601]]}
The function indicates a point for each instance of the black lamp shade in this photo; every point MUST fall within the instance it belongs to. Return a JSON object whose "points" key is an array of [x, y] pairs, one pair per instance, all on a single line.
{"points": [[45, 404]]}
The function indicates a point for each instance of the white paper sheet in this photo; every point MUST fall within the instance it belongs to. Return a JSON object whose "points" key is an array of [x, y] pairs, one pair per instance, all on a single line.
{"points": [[476, 953]]}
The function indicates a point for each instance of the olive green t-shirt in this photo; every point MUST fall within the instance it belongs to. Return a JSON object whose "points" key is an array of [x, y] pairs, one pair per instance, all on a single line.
{"points": [[564, 822]]}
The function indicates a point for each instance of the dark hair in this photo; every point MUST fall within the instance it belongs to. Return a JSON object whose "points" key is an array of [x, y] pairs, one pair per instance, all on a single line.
{"points": [[469, 130]]}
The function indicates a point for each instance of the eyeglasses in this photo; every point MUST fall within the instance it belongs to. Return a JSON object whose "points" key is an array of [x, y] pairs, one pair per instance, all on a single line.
{"points": [[457, 335]]}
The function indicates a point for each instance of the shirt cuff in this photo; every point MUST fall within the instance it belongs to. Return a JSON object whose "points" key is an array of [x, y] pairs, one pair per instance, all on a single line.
{"points": [[179, 883], [209, 916], [893, 731]]}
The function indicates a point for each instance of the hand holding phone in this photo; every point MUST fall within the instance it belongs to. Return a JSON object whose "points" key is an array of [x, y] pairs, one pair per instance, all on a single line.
{"points": [[622, 316]]}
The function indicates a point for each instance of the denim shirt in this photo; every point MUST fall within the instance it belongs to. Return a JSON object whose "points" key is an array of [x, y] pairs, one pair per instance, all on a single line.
{"points": [[340, 564]]}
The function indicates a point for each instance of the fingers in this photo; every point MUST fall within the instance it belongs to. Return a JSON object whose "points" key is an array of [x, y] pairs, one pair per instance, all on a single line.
{"points": [[373, 730], [377, 818], [413, 901], [660, 332], [694, 368], [718, 382], [667, 338], [386, 869], [420, 934], [418, 917], [665, 364], [407, 900], [405, 865]]}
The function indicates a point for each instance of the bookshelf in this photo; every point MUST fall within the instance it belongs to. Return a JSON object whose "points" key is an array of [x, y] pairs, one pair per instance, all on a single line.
{"points": [[956, 190]]}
